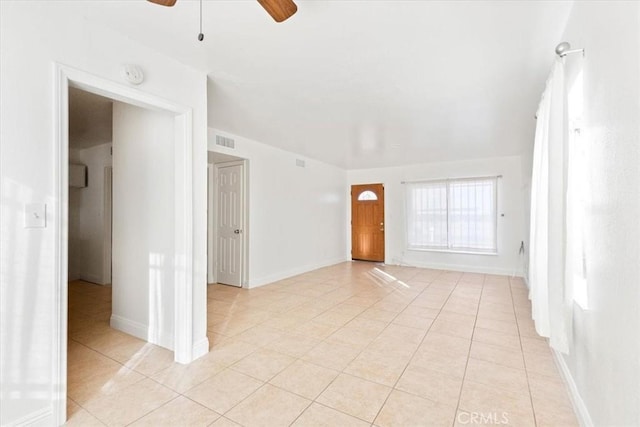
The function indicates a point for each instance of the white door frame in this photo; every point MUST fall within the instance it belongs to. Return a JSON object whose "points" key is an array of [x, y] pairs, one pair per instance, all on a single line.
{"points": [[211, 186], [64, 78], [244, 261], [107, 236]]}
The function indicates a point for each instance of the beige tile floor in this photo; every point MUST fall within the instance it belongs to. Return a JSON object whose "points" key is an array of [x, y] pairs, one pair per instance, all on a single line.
{"points": [[355, 344]]}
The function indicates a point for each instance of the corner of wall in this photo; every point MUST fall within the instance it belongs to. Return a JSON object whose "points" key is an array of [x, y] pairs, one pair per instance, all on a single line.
{"points": [[141, 331], [262, 281], [200, 348]]}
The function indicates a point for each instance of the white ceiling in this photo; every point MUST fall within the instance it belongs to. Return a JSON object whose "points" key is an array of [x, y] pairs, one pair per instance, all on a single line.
{"points": [[90, 119], [363, 83]]}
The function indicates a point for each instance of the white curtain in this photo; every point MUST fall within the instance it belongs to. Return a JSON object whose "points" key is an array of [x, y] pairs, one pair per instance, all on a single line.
{"points": [[427, 215], [577, 197], [550, 297]]}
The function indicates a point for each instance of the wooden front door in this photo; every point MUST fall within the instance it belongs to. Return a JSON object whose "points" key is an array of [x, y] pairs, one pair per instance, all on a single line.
{"points": [[367, 222]]}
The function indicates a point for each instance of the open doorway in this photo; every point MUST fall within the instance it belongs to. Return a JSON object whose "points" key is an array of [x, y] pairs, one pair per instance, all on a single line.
{"points": [[159, 173], [124, 343], [90, 171], [227, 222], [89, 239]]}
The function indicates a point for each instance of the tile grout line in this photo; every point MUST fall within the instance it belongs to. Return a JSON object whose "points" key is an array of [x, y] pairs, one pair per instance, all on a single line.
{"points": [[259, 347], [85, 409], [354, 287], [418, 347], [362, 351], [466, 366], [169, 388], [524, 360], [155, 409], [299, 358]]}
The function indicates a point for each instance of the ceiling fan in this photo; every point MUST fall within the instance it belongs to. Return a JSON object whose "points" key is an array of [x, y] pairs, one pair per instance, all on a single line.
{"points": [[279, 10]]}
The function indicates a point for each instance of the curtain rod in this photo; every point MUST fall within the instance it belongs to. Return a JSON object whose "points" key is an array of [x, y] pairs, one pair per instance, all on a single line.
{"points": [[563, 49], [451, 179]]}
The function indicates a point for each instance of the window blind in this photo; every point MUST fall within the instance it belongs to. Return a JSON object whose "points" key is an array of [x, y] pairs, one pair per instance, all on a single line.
{"points": [[453, 214]]}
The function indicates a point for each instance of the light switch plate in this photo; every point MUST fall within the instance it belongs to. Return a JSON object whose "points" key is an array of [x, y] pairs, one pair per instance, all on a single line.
{"points": [[35, 215]]}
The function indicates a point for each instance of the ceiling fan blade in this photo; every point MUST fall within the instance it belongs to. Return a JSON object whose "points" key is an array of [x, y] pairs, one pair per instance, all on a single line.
{"points": [[279, 10], [163, 2]]}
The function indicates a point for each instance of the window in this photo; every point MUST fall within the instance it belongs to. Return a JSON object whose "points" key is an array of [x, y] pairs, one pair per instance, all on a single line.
{"points": [[367, 195], [457, 215], [577, 198]]}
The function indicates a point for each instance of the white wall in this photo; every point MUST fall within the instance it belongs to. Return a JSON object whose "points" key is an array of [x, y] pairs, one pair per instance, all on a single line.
{"points": [[34, 35], [604, 356], [75, 236], [510, 203], [87, 215], [296, 215], [143, 267], [527, 169]]}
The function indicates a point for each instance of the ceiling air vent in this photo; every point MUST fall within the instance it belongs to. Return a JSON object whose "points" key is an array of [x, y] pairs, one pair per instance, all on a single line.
{"points": [[223, 141]]}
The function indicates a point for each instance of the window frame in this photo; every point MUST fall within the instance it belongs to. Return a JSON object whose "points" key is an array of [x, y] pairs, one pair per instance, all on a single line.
{"points": [[366, 192], [447, 182]]}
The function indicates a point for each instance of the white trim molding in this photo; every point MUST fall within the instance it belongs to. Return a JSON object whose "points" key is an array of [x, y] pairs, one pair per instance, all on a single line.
{"points": [[36, 418], [142, 331], [61, 236], [200, 348], [183, 238], [261, 281], [211, 184], [65, 77], [457, 267], [582, 413]]}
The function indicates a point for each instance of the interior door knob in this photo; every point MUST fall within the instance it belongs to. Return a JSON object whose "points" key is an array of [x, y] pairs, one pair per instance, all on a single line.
{"points": [[237, 231]]}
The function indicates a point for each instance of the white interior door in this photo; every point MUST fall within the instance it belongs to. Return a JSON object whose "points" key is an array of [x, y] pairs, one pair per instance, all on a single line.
{"points": [[230, 220]]}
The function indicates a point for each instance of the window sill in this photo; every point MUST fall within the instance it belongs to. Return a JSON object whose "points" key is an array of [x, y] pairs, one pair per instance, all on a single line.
{"points": [[454, 251]]}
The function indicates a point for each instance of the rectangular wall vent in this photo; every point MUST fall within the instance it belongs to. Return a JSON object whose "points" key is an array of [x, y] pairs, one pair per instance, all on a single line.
{"points": [[300, 163], [225, 142]]}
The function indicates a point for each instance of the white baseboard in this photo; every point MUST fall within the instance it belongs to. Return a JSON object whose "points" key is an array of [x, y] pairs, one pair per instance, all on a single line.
{"points": [[130, 327], [576, 400], [254, 283], [142, 331], [458, 267], [92, 278], [261, 281], [200, 348], [40, 417]]}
